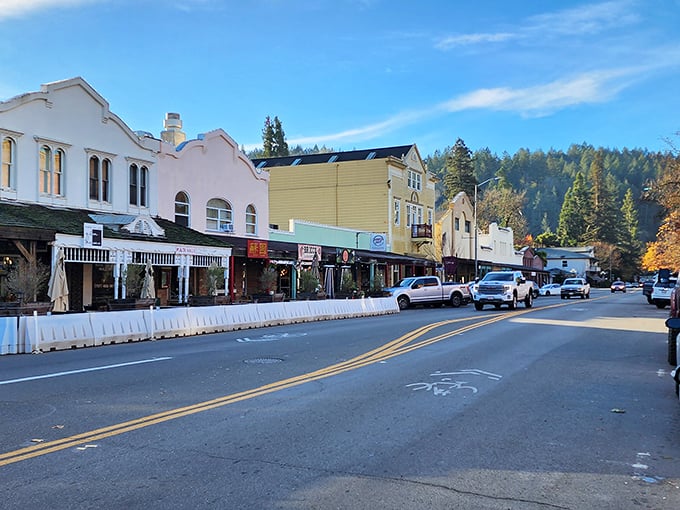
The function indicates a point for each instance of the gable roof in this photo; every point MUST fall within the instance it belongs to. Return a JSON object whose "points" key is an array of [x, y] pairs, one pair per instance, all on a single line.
{"points": [[334, 157], [562, 253]]}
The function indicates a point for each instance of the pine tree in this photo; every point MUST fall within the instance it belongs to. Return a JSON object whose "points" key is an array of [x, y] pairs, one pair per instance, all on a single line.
{"points": [[279, 144], [268, 138], [459, 170], [573, 227], [629, 242]]}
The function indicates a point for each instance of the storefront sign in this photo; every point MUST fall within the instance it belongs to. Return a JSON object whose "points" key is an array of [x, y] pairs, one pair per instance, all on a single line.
{"points": [[257, 249], [344, 256], [378, 242], [93, 235], [185, 250], [306, 252]]}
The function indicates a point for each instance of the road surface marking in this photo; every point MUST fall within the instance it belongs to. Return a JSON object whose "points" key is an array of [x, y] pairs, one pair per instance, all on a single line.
{"points": [[83, 370]]}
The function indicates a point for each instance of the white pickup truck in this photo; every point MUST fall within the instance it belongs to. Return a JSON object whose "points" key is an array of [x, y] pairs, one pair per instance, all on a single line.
{"points": [[575, 287], [503, 288], [428, 290]]}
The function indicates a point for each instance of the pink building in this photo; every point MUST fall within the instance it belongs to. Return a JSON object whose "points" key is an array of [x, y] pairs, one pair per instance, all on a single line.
{"points": [[210, 185]]}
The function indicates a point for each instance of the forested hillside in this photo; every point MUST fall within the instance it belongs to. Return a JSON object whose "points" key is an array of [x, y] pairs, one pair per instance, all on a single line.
{"points": [[545, 178], [535, 184]]}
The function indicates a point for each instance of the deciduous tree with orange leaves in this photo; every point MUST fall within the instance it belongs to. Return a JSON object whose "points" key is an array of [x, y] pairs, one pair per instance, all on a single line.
{"points": [[665, 251]]}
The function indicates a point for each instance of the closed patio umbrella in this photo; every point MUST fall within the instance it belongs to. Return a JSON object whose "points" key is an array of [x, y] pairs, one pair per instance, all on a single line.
{"points": [[148, 287], [329, 283], [315, 268], [58, 287]]}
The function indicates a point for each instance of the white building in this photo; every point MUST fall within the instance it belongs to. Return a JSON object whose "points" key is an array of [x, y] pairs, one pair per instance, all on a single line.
{"points": [[71, 167]]}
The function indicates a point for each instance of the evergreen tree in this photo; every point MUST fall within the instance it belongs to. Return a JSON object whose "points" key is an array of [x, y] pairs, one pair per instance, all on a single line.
{"points": [[459, 174], [268, 138], [573, 227], [629, 241], [279, 144]]}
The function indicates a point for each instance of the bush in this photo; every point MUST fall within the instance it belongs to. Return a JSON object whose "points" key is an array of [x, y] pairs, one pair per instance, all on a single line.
{"points": [[308, 282], [28, 281]]}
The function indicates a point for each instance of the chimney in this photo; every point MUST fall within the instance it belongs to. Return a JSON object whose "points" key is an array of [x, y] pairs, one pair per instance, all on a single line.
{"points": [[173, 129]]}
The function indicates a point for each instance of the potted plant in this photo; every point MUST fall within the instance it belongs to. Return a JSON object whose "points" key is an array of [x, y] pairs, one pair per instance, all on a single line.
{"points": [[215, 277], [28, 282], [377, 284], [309, 285], [268, 283], [348, 288]]}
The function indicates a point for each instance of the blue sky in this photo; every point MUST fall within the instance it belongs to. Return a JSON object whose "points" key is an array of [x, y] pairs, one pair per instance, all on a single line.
{"points": [[355, 74]]}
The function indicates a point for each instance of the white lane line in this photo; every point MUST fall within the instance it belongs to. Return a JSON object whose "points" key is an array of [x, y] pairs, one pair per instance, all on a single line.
{"points": [[93, 369]]}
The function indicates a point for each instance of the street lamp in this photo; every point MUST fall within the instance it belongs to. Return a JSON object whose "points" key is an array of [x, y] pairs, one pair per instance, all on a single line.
{"points": [[475, 218]]}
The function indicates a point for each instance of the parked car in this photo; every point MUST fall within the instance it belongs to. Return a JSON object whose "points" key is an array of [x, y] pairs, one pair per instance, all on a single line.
{"points": [[661, 292], [618, 286], [647, 287], [430, 290], [549, 289], [674, 325], [535, 289]]}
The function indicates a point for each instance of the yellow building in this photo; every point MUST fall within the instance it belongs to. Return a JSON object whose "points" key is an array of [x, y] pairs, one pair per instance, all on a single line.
{"points": [[385, 190]]}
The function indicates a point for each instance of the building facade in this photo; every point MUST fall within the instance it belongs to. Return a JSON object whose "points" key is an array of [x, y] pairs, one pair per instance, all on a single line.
{"points": [[208, 184], [76, 179], [386, 191], [492, 249]]}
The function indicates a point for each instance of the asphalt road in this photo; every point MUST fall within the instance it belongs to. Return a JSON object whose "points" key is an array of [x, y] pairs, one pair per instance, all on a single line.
{"points": [[567, 405]]}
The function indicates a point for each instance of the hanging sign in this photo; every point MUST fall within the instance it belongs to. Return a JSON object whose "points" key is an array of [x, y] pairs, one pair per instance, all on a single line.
{"points": [[93, 235], [257, 249], [306, 252], [378, 242], [344, 256]]}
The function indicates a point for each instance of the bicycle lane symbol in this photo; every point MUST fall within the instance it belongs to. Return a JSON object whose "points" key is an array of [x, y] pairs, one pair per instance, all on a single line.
{"points": [[448, 381]]}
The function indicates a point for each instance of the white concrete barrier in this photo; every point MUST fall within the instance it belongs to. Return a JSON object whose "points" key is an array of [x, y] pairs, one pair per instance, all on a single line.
{"points": [[52, 332], [9, 329], [168, 322], [297, 311], [272, 314], [242, 317], [118, 327], [207, 319], [56, 332]]}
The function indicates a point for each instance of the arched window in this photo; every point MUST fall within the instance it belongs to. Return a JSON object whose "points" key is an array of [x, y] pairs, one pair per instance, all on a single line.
{"points": [[51, 169], [106, 178], [58, 171], [251, 220], [139, 176], [219, 216], [94, 178], [7, 161], [45, 170], [182, 209], [100, 176]]}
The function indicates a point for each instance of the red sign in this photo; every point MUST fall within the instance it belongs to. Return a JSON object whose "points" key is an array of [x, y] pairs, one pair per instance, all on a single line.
{"points": [[257, 249]]}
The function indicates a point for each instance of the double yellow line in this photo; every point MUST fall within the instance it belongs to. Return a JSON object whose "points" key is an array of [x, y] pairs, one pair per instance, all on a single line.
{"points": [[396, 347]]}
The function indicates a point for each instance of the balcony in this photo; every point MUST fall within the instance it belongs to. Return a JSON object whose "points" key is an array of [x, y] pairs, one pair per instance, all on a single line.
{"points": [[421, 231]]}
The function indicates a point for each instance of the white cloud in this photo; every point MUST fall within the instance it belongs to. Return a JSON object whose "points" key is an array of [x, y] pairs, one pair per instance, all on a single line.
{"points": [[469, 39], [535, 101], [544, 99], [18, 8], [366, 132], [585, 19]]}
